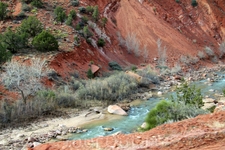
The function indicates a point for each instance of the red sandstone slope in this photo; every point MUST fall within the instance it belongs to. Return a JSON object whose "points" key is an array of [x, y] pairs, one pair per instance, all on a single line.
{"points": [[203, 132]]}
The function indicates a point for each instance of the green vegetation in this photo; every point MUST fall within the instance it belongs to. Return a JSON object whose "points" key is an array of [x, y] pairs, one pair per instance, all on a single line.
{"points": [[69, 20], [25, 7], [30, 26], [167, 111], [45, 41], [86, 32], [13, 41], [4, 54], [90, 75], [89, 9], [186, 104], [60, 14], [3, 10], [101, 42], [95, 14], [75, 3], [37, 3], [115, 66], [189, 95], [73, 14], [104, 21], [194, 3]]}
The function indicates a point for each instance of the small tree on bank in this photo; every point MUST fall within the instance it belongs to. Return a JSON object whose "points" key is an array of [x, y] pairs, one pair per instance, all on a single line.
{"points": [[45, 41], [23, 78]]}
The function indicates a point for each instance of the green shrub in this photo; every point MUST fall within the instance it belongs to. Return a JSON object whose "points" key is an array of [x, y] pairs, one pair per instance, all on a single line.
{"points": [[167, 110], [116, 87], [224, 92], [82, 10], [75, 3], [104, 21], [194, 3], [115, 66], [31, 26], [3, 10], [4, 54], [95, 13], [84, 20], [45, 41], [37, 3], [13, 41], [69, 20], [60, 14], [189, 95], [78, 27], [89, 9], [101, 42], [25, 7], [73, 14], [86, 32], [90, 75]]}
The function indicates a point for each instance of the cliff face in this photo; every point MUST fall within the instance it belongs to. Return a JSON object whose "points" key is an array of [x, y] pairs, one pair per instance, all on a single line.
{"points": [[182, 28]]}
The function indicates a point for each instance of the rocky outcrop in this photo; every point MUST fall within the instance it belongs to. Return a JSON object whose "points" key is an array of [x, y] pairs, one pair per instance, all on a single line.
{"points": [[115, 109]]}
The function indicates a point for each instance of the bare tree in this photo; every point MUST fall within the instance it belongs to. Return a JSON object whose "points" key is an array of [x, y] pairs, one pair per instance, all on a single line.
{"points": [[145, 53], [120, 39], [222, 49], [132, 44], [23, 78], [162, 53]]}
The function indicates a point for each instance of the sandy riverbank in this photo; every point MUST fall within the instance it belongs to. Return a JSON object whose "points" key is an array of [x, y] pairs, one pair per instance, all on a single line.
{"points": [[16, 137]]}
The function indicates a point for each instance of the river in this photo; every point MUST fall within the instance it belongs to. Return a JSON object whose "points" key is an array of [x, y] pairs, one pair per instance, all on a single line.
{"points": [[129, 124]]}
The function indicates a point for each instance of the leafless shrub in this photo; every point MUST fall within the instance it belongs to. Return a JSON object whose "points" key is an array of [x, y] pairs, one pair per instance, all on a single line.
{"points": [[187, 60], [201, 55], [98, 31], [176, 68], [194, 60], [132, 44], [209, 51], [24, 78], [42, 103], [150, 74], [115, 87], [222, 49], [161, 53], [120, 39], [214, 59], [145, 53]]}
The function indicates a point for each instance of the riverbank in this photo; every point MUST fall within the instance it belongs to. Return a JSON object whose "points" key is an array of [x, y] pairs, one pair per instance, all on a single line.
{"points": [[46, 130]]}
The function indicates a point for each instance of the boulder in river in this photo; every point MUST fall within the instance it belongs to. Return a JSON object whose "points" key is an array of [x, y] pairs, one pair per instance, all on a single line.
{"points": [[115, 109]]}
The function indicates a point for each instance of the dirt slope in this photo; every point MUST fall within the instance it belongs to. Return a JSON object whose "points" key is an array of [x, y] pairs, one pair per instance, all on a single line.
{"points": [[183, 29]]}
